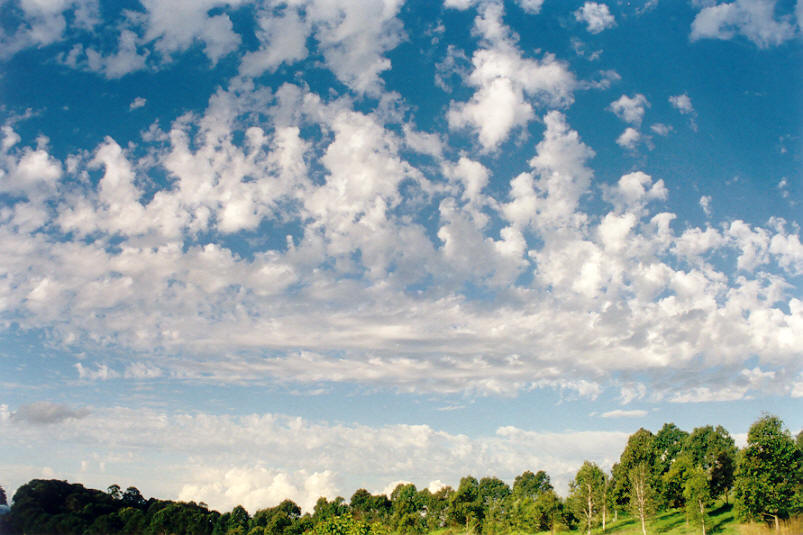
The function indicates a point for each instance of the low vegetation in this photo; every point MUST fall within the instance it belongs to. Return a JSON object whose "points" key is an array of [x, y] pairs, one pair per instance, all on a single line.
{"points": [[668, 483]]}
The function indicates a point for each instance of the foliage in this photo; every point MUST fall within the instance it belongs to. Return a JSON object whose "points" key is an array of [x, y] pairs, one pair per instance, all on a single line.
{"points": [[697, 494], [587, 493], [769, 475]]}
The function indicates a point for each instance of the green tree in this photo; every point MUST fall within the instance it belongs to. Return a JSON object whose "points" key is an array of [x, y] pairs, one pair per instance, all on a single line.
{"points": [[3, 500], [132, 498], [769, 475], [640, 449], [465, 508], [530, 485], [586, 493], [697, 494], [673, 482], [713, 450]]}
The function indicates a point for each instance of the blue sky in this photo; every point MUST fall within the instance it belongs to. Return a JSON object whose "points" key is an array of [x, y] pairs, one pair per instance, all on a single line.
{"points": [[257, 250]]}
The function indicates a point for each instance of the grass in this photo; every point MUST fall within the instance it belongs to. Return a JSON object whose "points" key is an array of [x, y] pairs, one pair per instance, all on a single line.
{"points": [[721, 520]]}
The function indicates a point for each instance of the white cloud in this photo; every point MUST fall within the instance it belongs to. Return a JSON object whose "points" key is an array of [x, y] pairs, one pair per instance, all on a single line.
{"points": [[630, 109], [682, 103], [705, 204], [618, 413], [753, 19], [175, 26], [44, 22], [507, 84], [102, 372], [257, 487], [532, 7], [596, 16], [636, 293], [661, 129], [298, 458], [283, 39], [137, 103], [629, 139]]}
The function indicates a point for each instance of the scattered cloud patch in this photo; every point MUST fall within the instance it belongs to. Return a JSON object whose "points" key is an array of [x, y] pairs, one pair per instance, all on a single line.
{"points": [[630, 109], [682, 103], [752, 19], [137, 103], [596, 16]]}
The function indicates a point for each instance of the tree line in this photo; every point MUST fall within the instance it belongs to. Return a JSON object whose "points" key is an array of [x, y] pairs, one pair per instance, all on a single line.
{"points": [[670, 469]]}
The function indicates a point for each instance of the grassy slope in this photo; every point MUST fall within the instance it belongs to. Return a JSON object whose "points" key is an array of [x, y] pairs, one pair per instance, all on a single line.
{"points": [[720, 521]]}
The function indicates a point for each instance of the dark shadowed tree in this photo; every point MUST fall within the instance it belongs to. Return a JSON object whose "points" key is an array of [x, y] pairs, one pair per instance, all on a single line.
{"points": [[3, 500]]}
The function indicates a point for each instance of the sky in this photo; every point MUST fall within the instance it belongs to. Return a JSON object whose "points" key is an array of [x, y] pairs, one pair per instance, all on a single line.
{"points": [[256, 250]]}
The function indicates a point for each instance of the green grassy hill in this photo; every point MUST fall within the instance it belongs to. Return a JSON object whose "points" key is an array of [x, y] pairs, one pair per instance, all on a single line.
{"points": [[721, 521]]}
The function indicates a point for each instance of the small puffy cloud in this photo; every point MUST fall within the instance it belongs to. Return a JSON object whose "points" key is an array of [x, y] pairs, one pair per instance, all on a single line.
{"points": [[661, 129], [138, 102], [596, 16], [45, 412], [532, 7], [705, 204], [682, 103], [630, 109], [629, 139], [752, 19], [619, 413]]}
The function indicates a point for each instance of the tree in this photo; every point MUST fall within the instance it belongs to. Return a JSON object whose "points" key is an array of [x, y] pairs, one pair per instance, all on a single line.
{"points": [[769, 475], [713, 450], [674, 481], [114, 491], [586, 493], [132, 498], [641, 494], [465, 508], [640, 449], [3, 500], [698, 497], [530, 485]]}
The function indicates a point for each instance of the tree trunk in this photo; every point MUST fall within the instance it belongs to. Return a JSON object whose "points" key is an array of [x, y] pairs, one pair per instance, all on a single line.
{"points": [[604, 514], [702, 515], [777, 525], [643, 526]]}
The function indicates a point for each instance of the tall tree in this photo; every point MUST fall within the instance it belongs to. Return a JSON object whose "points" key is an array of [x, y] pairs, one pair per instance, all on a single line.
{"points": [[769, 475], [586, 491], [641, 494], [3, 500]]}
